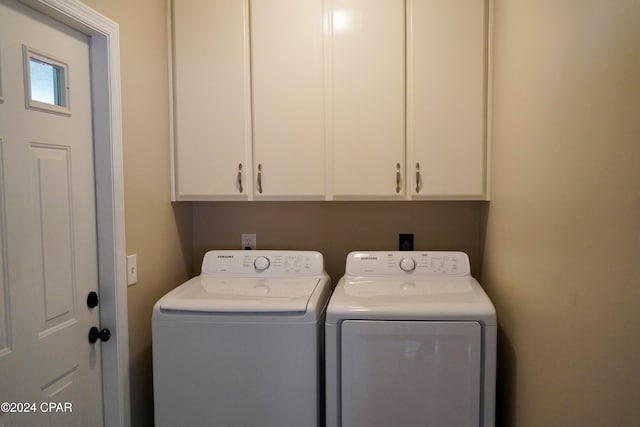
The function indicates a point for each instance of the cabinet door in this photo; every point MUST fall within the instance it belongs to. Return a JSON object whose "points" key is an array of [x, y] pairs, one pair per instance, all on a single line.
{"points": [[287, 61], [211, 90], [447, 78], [367, 117]]}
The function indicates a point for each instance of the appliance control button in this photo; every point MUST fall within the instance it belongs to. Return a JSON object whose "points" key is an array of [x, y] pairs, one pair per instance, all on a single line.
{"points": [[407, 264], [261, 263]]}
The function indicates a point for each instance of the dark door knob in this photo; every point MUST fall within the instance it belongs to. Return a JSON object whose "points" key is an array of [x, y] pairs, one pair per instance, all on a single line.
{"points": [[95, 334], [92, 300]]}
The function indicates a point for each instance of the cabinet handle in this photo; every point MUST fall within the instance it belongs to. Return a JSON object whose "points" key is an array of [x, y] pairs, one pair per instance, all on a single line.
{"points": [[397, 177], [240, 178], [260, 178], [417, 177]]}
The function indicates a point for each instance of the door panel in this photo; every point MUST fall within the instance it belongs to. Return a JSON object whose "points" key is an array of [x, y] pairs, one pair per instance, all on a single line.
{"points": [[52, 224], [410, 373], [5, 314]]}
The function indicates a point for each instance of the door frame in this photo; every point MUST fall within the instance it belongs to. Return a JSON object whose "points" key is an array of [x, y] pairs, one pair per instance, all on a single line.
{"points": [[104, 43]]}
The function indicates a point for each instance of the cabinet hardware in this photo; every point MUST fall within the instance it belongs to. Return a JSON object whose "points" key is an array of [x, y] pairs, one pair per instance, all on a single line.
{"points": [[240, 178], [397, 177], [260, 178], [418, 177]]}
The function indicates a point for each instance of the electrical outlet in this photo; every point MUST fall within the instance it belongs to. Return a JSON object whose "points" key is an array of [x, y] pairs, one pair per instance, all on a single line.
{"points": [[132, 269], [405, 242], [248, 241]]}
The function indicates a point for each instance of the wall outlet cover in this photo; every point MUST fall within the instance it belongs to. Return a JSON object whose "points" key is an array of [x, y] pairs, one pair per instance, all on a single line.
{"points": [[248, 241]]}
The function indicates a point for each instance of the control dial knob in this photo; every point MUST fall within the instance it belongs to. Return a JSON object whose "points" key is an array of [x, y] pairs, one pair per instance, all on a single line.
{"points": [[261, 263], [407, 264]]}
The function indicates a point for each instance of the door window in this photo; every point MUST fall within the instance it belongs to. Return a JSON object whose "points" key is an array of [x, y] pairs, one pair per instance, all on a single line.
{"points": [[46, 82]]}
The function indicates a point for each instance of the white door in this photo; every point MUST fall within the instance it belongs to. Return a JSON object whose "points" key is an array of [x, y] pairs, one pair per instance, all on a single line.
{"points": [[410, 373], [48, 259]]}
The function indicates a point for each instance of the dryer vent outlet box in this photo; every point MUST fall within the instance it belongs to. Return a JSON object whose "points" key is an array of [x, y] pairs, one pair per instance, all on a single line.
{"points": [[405, 242]]}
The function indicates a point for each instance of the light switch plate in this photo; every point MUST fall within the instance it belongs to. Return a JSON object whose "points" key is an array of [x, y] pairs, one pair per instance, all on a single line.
{"points": [[132, 269]]}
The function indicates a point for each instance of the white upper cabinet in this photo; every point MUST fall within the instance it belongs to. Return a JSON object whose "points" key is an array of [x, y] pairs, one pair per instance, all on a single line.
{"points": [[447, 69], [211, 94], [367, 99], [331, 99], [288, 76]]}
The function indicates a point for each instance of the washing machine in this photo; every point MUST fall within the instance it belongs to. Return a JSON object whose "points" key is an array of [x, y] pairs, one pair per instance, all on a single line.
{"points": [[241, 344], [410, 341]]}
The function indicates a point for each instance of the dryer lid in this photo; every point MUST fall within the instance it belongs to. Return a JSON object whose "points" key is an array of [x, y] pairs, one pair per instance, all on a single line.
{"points": [[242, 295]]}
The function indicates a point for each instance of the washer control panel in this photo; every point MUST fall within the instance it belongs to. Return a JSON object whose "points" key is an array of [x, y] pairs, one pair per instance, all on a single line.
{"points": [[271, 263], [431, 263]]}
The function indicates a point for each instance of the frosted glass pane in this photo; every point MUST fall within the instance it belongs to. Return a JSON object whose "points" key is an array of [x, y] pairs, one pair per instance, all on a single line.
{"points": [[45, 82]]}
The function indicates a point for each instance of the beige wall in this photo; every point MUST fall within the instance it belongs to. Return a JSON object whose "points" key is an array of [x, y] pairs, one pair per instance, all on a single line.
{"points": [[562, 258], [336, 228], [157, 232]]}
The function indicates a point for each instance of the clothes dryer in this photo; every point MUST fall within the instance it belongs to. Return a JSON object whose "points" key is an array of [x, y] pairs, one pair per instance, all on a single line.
{"points": [[240, 345], [410, 340]]}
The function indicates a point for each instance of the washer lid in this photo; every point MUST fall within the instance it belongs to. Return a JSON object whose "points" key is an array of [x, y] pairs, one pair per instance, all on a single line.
{"points": [[242, 295]]}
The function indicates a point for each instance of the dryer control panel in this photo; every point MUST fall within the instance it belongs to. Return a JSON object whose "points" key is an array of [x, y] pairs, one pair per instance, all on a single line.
{"points": [[427, 263], [270, 263]]}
